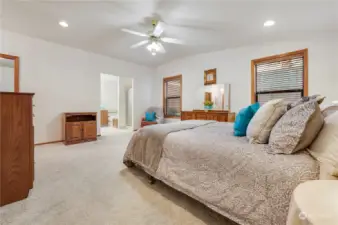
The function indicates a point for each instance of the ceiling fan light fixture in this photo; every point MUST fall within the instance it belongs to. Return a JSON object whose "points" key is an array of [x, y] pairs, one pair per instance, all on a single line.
{"points": [[154, 42], [269, 23], [153, 47]]}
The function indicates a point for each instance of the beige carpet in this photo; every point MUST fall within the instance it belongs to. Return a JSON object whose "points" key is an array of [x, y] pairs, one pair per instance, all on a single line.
{"points": [[86, 184]]}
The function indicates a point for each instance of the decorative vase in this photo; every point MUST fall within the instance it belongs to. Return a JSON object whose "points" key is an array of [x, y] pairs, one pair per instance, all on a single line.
{"points": [[208, 107]]}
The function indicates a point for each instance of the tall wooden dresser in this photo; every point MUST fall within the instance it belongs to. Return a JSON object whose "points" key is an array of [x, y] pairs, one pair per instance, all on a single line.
{"points": [[16, 146]]}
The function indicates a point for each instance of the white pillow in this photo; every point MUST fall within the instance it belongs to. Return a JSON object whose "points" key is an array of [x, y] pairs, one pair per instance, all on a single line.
{"points": [[327, 172], [329, 109], [335, 172], [325, 146], [264, 120]]}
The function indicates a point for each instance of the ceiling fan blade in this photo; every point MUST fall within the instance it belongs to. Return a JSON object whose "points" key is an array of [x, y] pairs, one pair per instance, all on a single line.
{"points": [[139, 44], [161, 48], [158, 30], [172, 41], [134, 32]]}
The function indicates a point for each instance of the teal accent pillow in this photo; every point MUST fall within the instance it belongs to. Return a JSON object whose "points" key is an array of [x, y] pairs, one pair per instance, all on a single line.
{"points": [[150, 116], [243, 119], [255, 107]]}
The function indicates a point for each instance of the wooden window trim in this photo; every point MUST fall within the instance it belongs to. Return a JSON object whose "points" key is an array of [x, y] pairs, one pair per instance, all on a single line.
{"points": [[16, 70], [276, 58], [166, 79]]}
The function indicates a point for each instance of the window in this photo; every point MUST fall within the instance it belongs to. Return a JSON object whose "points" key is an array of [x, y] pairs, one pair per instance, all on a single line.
{"points": [[172, 100], [281, 76]]}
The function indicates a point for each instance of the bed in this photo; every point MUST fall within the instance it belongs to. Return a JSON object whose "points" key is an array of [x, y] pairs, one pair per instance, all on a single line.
{"points": [[234, 178]]}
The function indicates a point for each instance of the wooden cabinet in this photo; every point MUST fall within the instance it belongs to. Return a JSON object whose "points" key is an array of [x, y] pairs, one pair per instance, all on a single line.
{"points": [[115, 123], [79, 127], [89, 130], [16, 146], [104, 117], [218, 115], [74, 131]]}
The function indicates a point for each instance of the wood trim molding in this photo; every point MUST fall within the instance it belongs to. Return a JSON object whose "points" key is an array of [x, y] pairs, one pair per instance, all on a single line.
{"points": [[53, 142], [276, 58], [173, 77], [16, 70], [49, 142], [166, 79], [306, 72], [253, 82]]}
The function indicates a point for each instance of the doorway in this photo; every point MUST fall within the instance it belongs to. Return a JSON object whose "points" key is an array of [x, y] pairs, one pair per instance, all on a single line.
{"points": [[116, 110], [126, 103]]}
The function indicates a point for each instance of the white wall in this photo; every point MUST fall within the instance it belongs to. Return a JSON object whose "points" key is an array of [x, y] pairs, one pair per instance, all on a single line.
{"points": [[125, 84], [109, 92], [234, 67], [130, 102], [65, 79]]}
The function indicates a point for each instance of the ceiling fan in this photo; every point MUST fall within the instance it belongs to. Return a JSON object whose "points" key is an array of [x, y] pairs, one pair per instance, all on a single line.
{"points": [[154, 40]]}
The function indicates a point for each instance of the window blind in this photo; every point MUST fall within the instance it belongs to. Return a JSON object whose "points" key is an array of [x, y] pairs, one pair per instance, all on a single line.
{"points": [[280, 79], [172, 97]]}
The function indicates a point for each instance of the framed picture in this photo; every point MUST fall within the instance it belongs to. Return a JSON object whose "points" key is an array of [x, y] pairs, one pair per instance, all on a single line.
{"points": [[210, 77]]}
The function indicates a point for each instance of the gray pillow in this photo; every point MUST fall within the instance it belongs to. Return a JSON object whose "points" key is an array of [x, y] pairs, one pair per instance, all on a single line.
{"points": [[318, 98], [297, 129]]}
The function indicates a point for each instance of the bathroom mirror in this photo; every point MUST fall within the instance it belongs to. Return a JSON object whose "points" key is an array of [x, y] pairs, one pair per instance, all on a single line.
{"points": [[219, 95], [9, 73]]}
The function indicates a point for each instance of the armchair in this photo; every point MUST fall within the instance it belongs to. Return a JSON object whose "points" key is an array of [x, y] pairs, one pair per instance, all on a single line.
{"points": [[159, 117]]}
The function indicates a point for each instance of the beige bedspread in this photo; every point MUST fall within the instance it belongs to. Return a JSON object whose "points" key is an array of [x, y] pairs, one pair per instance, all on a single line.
{"points": [[237, 179], [146, 146]]}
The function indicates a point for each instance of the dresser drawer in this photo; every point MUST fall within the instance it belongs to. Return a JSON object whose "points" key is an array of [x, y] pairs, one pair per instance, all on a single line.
{"points": [[212, 117], [201, 116], [222, 118], [187, 116]]}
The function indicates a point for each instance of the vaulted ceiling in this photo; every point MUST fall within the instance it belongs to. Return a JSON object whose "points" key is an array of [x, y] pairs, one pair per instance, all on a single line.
{"points": [[205, 25]]}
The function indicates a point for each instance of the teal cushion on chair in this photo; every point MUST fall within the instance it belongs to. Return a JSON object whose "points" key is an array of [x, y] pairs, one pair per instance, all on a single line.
{"points": [[150, 116], [243, 119]]}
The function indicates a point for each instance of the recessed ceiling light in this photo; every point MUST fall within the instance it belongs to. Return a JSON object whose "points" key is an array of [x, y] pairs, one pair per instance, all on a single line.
{"points": [[63, 23], [269, 23]]}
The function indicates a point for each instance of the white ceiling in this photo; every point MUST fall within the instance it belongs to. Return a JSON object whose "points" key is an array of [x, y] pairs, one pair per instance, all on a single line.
{"points": [[205, 25]]}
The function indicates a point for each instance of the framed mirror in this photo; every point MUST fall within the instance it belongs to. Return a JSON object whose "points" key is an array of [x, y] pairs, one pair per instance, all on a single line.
{"points": [[9, 73], [218, 95]]}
